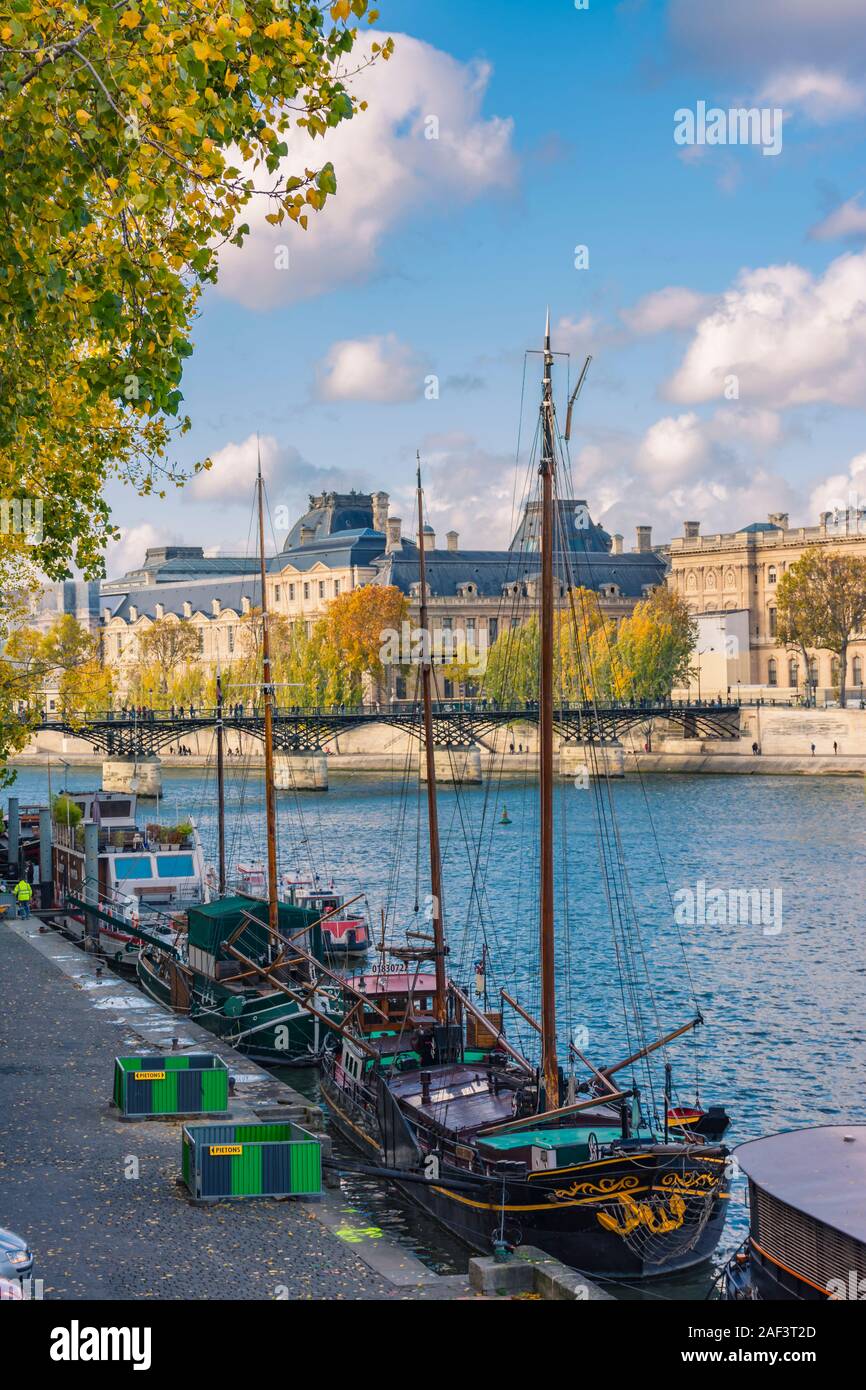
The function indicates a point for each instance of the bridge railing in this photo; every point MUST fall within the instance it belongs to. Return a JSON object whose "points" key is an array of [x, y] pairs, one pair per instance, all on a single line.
{"points": [[205, 714]]}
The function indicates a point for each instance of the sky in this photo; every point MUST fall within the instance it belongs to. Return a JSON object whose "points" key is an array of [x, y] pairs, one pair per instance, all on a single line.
{"points": [[515, 156]]}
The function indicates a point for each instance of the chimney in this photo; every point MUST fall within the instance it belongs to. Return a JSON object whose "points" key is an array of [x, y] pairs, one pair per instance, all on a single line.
{"points": [[429, 538], [380, 511], [187, 610], [133, 613], [779, 519], [394, 530], [307, 534], [692, 529], [246, 606], [453, 539], [617, 544], [644, 539], [106, 615], [215, 606], [160, 612]]}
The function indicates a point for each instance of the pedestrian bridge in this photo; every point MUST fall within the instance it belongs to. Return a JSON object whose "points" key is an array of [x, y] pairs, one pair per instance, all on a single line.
{"points": [[456, 723]]}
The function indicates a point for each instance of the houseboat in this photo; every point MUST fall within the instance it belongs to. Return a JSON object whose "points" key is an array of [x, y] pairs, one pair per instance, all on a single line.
{"points": [[140, 875], [807, 1217]]}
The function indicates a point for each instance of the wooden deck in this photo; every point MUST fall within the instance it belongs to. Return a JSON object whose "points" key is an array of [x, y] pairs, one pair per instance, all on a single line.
{"points": [[461, 1099]]}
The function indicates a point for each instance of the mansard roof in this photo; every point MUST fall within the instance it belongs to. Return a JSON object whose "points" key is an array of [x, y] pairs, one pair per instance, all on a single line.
{"points": [[231, 594], [491, 571], [355, 546]]}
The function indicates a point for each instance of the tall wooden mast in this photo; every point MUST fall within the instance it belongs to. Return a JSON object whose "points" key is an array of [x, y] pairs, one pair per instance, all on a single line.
{"points": [[430, 756], [549, 1063], [268, 697], [221, 785]]}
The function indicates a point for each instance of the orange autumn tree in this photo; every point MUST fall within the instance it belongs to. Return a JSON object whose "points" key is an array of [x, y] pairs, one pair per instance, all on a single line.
{"points": [[357, 627]]}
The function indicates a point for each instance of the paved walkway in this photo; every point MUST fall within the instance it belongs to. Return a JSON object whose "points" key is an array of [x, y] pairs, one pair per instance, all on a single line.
{"points": [[98, 1199]]}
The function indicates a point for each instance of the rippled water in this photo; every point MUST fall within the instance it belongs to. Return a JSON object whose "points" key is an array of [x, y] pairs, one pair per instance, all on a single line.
{"points": [[784, 1001]]}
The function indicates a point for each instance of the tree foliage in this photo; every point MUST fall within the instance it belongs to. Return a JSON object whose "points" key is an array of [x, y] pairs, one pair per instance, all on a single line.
{"points": [[821, 603], [133, 134], [641, 659]]}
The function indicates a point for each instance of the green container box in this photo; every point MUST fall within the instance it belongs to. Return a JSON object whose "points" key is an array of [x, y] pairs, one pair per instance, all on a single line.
{"points": [[196, 1083], [240, 1160]]}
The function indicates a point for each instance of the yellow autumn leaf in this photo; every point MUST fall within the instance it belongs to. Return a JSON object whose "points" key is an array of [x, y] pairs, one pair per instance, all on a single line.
{"points": [[113, 184], [130, 19], [81, 115]]}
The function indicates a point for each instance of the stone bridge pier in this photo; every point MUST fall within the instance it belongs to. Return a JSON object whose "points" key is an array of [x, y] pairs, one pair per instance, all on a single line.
{"points": [[576, 760], [305, 772], [453, 766], [142, 774]]}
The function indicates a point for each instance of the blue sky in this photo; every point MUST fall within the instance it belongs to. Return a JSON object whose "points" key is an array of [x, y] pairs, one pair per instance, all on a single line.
{"points": [[707, 263]]}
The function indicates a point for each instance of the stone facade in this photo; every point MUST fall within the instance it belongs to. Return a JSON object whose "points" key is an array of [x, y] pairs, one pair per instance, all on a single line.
{"points": [[740, 571], [345, 541]]}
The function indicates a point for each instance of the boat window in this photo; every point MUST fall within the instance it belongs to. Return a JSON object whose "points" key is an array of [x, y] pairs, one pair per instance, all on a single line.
{"points": [[174, 866], [139, 867]]}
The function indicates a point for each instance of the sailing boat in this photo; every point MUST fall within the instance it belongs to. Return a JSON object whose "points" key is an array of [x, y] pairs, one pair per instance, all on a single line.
{"points": [[498, 1149], [247, 969]]}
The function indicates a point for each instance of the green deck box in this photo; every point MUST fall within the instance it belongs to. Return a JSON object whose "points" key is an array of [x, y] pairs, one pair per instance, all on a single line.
{"points": [[195, 1083], [257, 1160]]}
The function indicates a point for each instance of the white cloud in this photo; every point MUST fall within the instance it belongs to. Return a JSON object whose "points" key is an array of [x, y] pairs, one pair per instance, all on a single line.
{"points": [[128, 552], [232, 478], [379, 368], [842, 490], [821, 95], [386, 169], [673, 307], [467, 489], [790, 338], [848, 220], [716, 469]]}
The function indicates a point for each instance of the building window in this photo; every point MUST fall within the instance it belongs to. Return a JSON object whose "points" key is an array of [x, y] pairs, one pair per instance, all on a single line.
{"points": [[276, 593], [857, 671], [772, 622], [470, 628], [230, 638], [201, 641], [492, 630], [336, 588], [321, 588], [119, 645], [447, 624], [306, 591], [793, 673], [813, 671], [834, 671], [771, 575], [772, 672]]}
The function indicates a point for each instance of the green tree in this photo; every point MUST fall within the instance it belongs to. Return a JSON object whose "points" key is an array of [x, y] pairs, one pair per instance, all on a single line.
{"points": [[821, 603], [166, 646], [133, 136]]}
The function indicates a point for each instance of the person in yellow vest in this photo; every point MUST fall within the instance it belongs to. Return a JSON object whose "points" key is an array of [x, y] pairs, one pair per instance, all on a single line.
{"points": [[22, 893]]}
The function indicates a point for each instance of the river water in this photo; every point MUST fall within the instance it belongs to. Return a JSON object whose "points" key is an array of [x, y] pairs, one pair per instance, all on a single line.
{"points": [[778, 971]]}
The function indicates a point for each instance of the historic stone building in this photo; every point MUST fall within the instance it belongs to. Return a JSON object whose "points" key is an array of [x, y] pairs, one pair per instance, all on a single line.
{"points": [[345, 541], [349, 540], [737, 573]]}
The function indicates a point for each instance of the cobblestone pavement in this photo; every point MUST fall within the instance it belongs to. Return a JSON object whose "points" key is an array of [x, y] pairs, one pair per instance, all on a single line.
{"points": [[96, 1231]]}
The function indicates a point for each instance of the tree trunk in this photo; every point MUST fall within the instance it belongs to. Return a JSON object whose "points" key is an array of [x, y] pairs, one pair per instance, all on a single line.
{"points": [[843, 673]]}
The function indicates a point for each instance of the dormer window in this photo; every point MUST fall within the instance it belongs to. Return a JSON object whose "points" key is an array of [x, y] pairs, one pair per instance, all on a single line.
{"points": [[467, 590]]}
